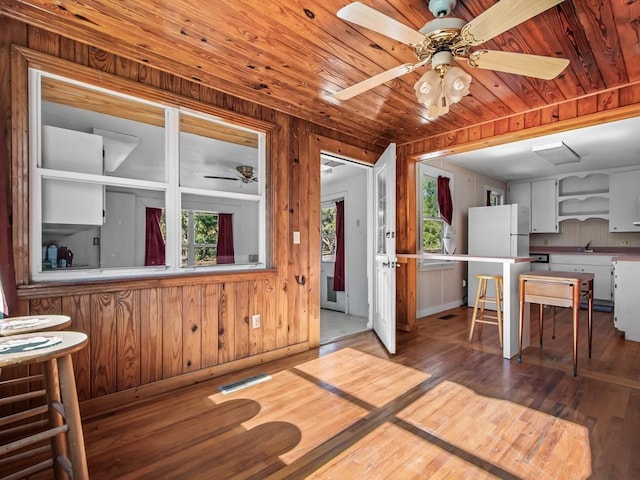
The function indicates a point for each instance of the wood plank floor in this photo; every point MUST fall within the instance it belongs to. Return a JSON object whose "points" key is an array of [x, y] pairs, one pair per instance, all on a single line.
{"points": [[337, 424]]}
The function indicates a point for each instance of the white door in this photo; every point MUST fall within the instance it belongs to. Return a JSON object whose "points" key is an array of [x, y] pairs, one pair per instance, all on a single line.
{"points": [[384, 224]]}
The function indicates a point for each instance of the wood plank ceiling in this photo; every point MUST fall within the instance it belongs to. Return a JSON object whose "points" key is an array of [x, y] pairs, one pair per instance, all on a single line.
{"points": [[292, 56]]}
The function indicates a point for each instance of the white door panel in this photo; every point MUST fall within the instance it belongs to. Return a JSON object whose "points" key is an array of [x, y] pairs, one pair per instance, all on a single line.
{"points": [[384, 224]]}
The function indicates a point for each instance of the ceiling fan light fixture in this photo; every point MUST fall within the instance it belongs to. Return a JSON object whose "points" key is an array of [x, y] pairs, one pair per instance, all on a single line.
{"points": [[557, 153], [438, 90]]}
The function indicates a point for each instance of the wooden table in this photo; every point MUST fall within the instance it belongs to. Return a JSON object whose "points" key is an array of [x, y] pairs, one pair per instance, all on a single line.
{"points": [[33, 323], [560, 289]]}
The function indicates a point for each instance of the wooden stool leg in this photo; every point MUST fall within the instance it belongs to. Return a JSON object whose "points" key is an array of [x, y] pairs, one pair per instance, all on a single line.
{"points": [[58, 444], [72, 415], [483, 296], [499, 307], [475, 310]]}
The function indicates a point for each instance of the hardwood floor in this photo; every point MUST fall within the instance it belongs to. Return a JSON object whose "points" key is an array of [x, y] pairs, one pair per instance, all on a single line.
{"points": [[334, 422]]}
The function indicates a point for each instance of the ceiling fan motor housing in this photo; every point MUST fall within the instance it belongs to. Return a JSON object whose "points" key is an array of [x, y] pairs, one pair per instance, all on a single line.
{"points": [[441, 8]]}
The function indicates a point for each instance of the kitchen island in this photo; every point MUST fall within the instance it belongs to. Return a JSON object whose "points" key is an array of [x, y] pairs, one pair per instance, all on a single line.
{"points": [[512, 267]]}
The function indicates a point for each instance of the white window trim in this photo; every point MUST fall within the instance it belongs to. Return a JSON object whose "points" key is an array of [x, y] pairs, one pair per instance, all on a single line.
{"points": [[173, 192]]}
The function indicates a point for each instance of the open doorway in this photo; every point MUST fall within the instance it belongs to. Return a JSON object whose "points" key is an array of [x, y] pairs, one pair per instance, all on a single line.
{"points": [[344, 226]]}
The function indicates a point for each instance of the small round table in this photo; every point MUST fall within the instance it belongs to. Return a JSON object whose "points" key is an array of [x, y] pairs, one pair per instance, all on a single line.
{"points": [[53, 350], [33, 323]]}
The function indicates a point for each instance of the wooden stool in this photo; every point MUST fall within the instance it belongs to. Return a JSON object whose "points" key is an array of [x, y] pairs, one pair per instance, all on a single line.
{"points": [[62, 429], [482, 299]]}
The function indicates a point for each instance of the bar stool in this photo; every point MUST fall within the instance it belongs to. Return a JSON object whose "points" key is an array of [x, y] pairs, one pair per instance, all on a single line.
{"points": [[63, 427], [482, 299]]}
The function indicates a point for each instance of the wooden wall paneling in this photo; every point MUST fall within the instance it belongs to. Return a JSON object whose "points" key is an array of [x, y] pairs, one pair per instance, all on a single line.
{"points": [[78, 307], [226, 324], [103, 341], [281, 228], [191, 327], [549, 115], [209, 324], [19, 89], [43, 41], [608, 100], [102, 60], [309, 196], [294, 289], [123, 67], [149, 76], [128, 320], [630, 95], [67, 49], [532, 119], [151, 335], [171, 332], [406, 240], [43, 306], [568, 110], [268, 298], [241, 320], [257, 306]]}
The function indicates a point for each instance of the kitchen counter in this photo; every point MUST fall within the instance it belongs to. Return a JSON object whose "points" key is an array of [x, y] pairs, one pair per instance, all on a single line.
{"points": [[617, 251], [512, 267]]}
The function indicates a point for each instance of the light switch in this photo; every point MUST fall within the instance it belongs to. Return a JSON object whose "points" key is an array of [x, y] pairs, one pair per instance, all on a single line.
{"points": [[296, 238]]}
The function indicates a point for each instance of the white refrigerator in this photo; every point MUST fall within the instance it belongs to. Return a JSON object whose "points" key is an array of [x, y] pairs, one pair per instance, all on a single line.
{"points": [[499, 231]]}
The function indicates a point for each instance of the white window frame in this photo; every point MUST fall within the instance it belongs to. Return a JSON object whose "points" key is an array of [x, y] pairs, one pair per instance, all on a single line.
{"points": [[433, 172], [171, 188]]}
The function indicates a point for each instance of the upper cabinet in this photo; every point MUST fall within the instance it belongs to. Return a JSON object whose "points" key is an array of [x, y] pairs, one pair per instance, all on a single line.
{"points": [[544, 206], [68, 203], [540, 196], [624, 201]]}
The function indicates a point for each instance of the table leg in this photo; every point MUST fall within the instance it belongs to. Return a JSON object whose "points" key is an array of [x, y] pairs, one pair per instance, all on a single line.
{"points": [[576, 309], [521, 322], [541, 324], [590, 314]]}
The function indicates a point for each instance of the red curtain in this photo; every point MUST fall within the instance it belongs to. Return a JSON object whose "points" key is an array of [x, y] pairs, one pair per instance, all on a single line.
{"points": [[225, 253], [7, 271], [154, 242], [445, 204], [338, 272]]}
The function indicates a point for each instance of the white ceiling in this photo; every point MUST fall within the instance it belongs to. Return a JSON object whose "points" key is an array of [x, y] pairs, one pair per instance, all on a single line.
{"points": [[609, 145]]}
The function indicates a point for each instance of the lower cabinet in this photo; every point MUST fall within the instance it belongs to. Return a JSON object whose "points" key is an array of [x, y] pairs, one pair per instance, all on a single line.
{"points": [[627, 301], [599, 265]]}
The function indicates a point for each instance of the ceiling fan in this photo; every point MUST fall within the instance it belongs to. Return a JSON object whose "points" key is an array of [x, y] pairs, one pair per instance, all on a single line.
{"points": [[445, 39], [247, 175]]}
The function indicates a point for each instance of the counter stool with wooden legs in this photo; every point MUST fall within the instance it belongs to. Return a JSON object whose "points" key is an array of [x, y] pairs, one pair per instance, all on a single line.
{"points": [[61, 431], [482, 299]]}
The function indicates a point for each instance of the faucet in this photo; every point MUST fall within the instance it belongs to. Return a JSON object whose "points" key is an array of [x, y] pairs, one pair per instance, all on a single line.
{"points": [[586, 249]]}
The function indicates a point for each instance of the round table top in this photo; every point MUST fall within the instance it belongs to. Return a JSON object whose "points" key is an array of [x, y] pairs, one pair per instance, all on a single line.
{"points": [[33, 323], [39, 347]]}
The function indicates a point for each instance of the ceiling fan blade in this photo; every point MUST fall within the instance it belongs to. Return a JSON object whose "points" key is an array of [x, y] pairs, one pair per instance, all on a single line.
{"points": [[501, 17], [536, 66], [366, 16], [374, 81], [221, 178]]}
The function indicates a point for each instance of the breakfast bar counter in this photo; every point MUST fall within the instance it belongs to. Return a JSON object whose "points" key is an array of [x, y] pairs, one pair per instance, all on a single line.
{"points": [[512, 267]]}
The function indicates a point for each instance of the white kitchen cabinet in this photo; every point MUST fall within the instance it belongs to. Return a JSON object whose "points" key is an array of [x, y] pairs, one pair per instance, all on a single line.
{"points": [[627, 300], [71, 202], [520, 193], [544, 206], [624, 201], [583, 196], [599, 265]]}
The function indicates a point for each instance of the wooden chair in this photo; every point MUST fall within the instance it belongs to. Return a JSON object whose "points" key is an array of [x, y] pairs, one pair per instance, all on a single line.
{"points": [[482, 299]]}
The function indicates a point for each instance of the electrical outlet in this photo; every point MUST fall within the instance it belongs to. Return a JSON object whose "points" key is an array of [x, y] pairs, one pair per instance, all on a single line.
{"points": [[256, 320], [625, 243], [545, 242]]}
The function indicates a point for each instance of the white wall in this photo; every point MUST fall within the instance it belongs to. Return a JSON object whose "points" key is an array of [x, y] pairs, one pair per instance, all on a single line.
{"points": [[440, 290], [354, 189]]}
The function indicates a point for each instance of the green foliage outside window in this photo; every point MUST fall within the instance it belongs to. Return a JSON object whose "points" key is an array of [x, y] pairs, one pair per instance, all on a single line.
{"points": [[432, 224], [328, 230], [205, 237]]}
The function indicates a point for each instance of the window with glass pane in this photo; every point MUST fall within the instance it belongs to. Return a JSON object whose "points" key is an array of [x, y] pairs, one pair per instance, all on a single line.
{"points": [[100, 185], [328, 232], [381, 211], [431, 224]]}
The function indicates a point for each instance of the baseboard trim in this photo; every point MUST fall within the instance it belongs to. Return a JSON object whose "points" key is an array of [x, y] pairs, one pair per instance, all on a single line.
{"points": [[425, 312]]}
